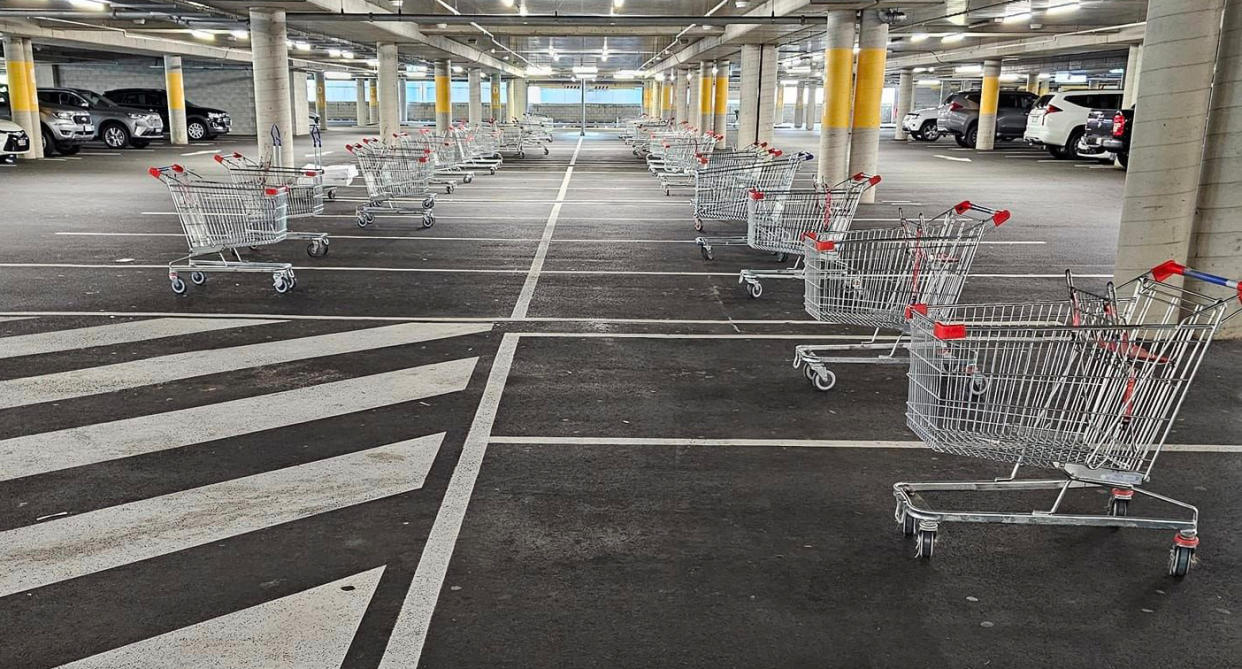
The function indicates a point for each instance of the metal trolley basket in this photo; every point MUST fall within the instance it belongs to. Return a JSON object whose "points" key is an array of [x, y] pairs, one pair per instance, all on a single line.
{"points": [[723, 193], [1089, 386], [304, 186], [877, 278], [777, 221], [397, 180], [220, 218]]}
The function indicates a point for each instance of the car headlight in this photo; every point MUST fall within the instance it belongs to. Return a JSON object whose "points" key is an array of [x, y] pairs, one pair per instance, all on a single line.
{"points": [[138, 116], [66, 115], [215, 115]]}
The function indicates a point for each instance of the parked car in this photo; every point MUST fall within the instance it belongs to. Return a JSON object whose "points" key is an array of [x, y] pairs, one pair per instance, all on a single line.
{"points": [[115, 125], [921, 124], [200, 122], [1059, 120], [13, 138], [65, 121], [1107, 135], [959, 115]]}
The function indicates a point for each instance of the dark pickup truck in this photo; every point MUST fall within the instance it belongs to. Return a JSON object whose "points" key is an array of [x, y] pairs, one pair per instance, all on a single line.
{"points": [[1107, 132]]}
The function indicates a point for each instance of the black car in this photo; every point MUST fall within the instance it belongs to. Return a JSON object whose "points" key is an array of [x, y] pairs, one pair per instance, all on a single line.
{"points": [[1108, 132], [201, 122]]}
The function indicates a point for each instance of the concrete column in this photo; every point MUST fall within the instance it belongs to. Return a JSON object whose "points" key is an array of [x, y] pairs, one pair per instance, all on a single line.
{"points": [[474, 81], [174, 83], [989, 96], [494, 91], [693, 115], [32, 98], [373, 101], [389, 98], [1215, 247], [812, 105], [402, 100], [361, 113], [268, 46], [647, 98], [680, 111], [321, 99], [868, 90], [519, 100], [511, 99], [444, 95], [1134, 63], [22, 111], [799, 116], [1180, 143], [778, 107], [905, 99], [834, 135], [299, 103], [703, 98], [666, 99], [1032, 82], [721, 105]]}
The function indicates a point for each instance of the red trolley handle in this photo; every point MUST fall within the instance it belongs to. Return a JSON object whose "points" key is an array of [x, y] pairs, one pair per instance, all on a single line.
{"points": [[1170, 267], [999, 216]]}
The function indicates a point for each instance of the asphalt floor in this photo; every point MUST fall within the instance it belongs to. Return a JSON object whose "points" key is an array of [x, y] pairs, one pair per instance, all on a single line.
{"points": [[544, 432]]}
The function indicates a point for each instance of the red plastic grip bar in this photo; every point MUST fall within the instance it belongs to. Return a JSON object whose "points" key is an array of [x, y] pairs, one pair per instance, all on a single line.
{"points": [[154, 171], [999, 218], [949, 330], [1166, 269], [218, 158]]}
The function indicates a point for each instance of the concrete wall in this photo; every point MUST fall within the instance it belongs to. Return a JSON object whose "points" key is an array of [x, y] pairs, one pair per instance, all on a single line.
{"points": [[230, 89]]}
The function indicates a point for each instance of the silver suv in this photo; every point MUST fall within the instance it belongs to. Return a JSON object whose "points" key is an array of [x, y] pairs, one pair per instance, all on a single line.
{"points": [[115, 125], [65, 124], [959, 115]]}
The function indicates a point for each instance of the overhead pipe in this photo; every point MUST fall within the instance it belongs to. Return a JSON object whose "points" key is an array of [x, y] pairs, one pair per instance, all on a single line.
{"points": [[628, 20]]}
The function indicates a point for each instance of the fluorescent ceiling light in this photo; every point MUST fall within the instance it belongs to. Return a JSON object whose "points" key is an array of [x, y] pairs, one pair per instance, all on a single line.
{"points": [[371, 62], [507, 3], [240, 34], [538, 71], [1017, 18], [624, 74], [337, 75], [1010, 77], [1045, 75], [1065, 7], [94, 5], [955, 37], [302, 46], [1117, 70], [202, 34], [918, 37], [618, 3], [928, 82], [585, 69], [968, 69], [458, 69], [522, 9], [334, 53], [347, 55]]}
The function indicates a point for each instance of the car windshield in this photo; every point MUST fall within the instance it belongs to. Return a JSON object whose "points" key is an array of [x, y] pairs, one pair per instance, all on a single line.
{"points": [[95, 99]]}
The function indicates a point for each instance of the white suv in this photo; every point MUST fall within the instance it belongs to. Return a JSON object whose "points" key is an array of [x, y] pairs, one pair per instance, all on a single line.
{"points": [[1059, 120], [921, 124]]}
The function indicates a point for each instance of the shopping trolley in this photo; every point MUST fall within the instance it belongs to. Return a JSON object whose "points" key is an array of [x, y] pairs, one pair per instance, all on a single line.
{"points": [[304, 187], [777, 221], [1089, 386], [878, 278], [722, 193], [220, 218], [397, 180]]}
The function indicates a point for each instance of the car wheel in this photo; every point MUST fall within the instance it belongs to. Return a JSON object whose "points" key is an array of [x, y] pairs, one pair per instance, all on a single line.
{"points": [[929, 132], [139, 143], [961, 141], [1124, 160], [49, 147], [196, 129], [972, 136], [114, 136], [69, 149], [1070, 149]]}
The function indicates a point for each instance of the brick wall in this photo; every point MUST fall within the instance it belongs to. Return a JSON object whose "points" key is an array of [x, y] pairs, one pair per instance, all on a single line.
{"points": [[230, 89]]}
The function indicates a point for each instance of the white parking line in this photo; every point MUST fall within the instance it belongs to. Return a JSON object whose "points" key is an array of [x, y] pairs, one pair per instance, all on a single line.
{"points": [[536, 266], [944, 157], [782, 443], [201, 153]]}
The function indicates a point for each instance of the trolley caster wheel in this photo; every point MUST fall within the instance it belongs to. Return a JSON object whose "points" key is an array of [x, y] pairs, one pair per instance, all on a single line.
{"points": [[178, 286], [754, 289], [429, 203], [365, 218], [821, 381], [1182, 554], [521, 154], [1118, 507], [667, 193], [429, 220], [448, 188], [909, 525], [317, 249], [198, 278], [491, 170], [698, 225], [782, 256], [468, 178], [978, 384], [331, 194], [926, 544], [706, 252], [281, 284]]}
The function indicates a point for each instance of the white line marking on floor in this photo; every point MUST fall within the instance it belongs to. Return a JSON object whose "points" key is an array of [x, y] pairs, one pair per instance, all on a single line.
{"points": [[35, 454], [311, 629], [664, 335], [954, 158], [46, 553], [201, 153], [785, 443], [405, 645], [536, 266], [15, 318], [178, 366], [117, 333], [98, 153]]}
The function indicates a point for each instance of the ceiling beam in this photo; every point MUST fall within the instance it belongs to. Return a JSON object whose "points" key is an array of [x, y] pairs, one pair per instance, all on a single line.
{"points": [[732, 35], [1098, 39]]}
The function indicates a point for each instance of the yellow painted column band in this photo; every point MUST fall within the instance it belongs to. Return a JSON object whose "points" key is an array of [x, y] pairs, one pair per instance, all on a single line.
{"points": [[989, 95], [667, 90], [722, 94], [373, 92], [176, 89], [32, 87], [19, 96], [869, 89], [442, 94], [838, 68], [705, 95]]}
